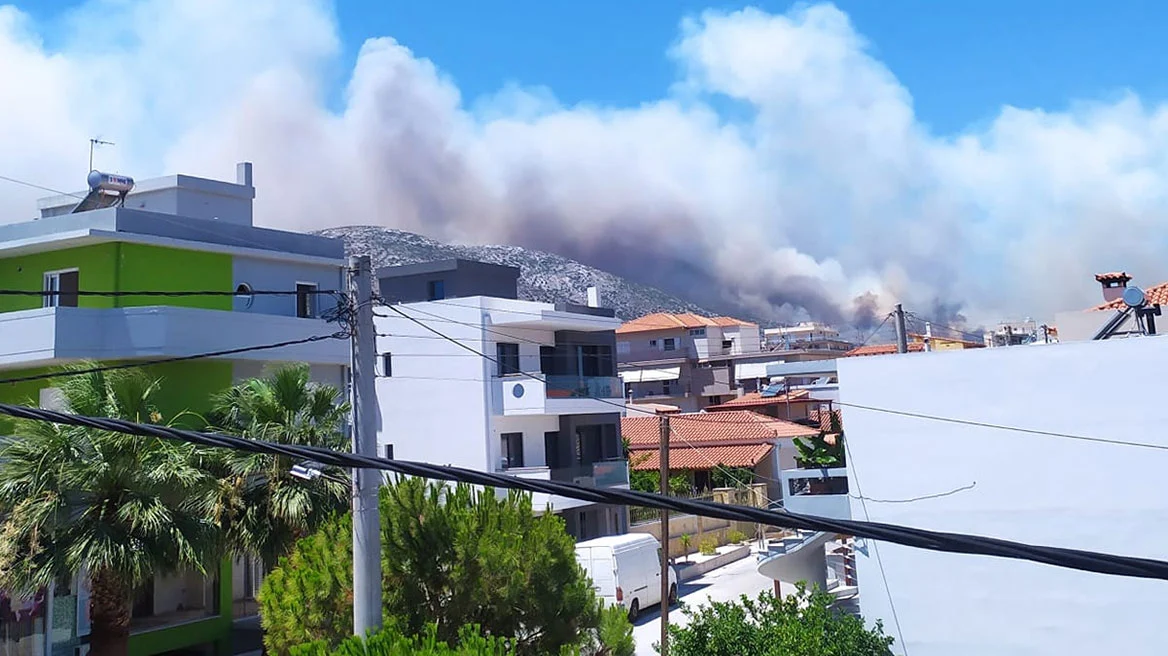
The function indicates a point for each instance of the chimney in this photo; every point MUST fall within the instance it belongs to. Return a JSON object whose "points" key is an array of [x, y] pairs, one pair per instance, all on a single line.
{"points": [[1113, 284], [594, 297], [243, 174]]}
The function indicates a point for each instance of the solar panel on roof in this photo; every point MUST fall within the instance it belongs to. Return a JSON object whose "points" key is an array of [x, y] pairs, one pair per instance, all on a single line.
{"points": [[772, 390]]}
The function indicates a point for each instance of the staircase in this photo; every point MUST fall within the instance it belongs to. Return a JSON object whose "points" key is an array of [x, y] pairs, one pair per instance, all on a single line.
{"points": [[821, 559]]}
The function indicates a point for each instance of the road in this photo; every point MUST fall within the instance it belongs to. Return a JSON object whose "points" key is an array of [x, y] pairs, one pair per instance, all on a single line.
{"points": [[723, 584]]}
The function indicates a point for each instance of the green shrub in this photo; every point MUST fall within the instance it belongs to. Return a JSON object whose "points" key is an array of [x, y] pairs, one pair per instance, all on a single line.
{"points": [[708, 547], [736, 537], [389, 642], [802, 624], [451, 557]]}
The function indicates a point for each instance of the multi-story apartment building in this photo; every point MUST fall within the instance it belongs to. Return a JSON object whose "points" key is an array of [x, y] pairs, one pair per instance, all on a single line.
{"points": [[177, 234], [691, 362], [805, 336], [545, 402]]}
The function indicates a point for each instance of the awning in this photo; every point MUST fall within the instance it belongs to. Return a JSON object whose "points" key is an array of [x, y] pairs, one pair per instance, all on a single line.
{"points": [[651, 375], [751, 370]]}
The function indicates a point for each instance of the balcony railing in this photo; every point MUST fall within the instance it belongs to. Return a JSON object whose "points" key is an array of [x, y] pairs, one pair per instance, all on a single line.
{"points": [[822, 492], [584, 387], [605, 473]]}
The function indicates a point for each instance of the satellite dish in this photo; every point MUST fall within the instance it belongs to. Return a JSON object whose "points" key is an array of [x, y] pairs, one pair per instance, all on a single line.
{"points": [[1133, 297]]}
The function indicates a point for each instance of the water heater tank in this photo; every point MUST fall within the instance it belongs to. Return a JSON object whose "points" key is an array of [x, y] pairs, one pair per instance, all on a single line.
{"points": [[119, 184]]}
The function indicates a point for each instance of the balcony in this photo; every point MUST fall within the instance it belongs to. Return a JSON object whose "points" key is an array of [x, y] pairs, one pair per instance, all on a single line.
{"points": [[820, 492], [46, 336], [654, 354], [607, 473], [517, 395]]}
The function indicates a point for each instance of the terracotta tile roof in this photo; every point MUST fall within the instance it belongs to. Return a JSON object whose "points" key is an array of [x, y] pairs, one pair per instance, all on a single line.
{"points": [[670, 321], [1113, 276], [823, 418], [732, 427], [881, 349], [757, 400], [707, 457], [1157, 294]]}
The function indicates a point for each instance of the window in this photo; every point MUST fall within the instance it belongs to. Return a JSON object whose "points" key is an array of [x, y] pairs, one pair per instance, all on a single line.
{"points": [[436, 290], [507, 355], [61, 288], [727, 344], [243, 293], [551, 449], [666, 389], [512, 450], [306, 300], [652, 343], [697, 332], [389, 452], [670, 344], [387, 364]]}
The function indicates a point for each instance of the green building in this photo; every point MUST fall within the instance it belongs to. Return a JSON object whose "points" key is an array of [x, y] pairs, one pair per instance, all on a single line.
{"points": [[177, 233]]}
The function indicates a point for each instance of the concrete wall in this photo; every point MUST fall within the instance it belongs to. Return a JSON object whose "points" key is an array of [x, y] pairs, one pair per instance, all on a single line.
{"points": [[698, 529], [459, 278], [1032, 488], [263, 274]]}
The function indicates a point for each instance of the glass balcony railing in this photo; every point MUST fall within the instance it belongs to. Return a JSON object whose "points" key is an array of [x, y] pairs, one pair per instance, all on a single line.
{"points": [[584, 387], [605, 473]]}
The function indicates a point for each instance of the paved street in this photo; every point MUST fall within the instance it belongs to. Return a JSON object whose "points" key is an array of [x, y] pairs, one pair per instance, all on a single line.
{"points": [[724, 584]]}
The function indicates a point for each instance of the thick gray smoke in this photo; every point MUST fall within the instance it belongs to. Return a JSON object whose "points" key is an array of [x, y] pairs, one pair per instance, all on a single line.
{"points": [[827, 201]]}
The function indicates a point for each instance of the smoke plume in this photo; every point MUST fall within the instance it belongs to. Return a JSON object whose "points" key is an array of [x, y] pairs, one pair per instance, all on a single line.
{"points": [[825, 198]]}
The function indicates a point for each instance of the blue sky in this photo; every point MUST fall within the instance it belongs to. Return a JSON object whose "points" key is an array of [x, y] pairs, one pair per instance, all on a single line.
{"points": [[960, 59]]}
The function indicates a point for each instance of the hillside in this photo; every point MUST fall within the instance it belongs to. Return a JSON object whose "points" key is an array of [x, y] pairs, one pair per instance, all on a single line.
{"points": [[545, 276]]}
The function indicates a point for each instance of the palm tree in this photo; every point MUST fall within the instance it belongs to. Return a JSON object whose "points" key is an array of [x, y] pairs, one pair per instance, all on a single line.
{"points": [[124, 509], [262, 508]]}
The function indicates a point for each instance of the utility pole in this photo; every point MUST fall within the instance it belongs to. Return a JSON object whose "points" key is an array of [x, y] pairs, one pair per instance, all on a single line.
{"points": [[901, 333], [663, 457], [366, 523]]}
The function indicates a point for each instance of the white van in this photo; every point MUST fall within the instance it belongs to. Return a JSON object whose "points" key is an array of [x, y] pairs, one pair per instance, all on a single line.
{"points": [[626, 570]]}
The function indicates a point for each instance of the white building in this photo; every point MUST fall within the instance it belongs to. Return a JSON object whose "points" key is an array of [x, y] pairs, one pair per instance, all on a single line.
{"points": [[1012, 485], [549, 408]]}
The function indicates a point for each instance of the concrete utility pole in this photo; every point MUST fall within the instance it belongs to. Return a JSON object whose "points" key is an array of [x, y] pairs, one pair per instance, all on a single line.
{"points": [[663, 457], [366, 523], [901, 333]]}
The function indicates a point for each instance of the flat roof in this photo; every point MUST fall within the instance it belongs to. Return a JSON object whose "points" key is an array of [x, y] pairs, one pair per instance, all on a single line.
{"points": [[117, 223]]}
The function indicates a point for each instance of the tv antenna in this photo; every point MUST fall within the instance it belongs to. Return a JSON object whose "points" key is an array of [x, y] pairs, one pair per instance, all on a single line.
{"points": [[92, 144]]}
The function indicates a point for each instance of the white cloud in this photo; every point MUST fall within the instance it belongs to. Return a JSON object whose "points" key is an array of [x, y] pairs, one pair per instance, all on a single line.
{"points": [[829, 188]]}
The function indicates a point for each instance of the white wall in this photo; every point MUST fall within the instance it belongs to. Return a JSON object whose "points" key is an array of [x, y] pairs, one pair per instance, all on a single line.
{"points": [[533, 429], [1029, 488], [435, 407]]}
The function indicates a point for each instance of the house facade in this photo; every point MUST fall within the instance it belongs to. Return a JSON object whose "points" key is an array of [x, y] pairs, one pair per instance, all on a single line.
{"points": [[701, 443], [171, 234], [544, 403], [690, 361]]}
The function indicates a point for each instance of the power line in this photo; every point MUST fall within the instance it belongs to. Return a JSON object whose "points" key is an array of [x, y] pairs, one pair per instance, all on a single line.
{"points": [[161, 293], [876, 552], [1016, 429], [182, 358], [37, 186], [925, 497], [912, 537]]}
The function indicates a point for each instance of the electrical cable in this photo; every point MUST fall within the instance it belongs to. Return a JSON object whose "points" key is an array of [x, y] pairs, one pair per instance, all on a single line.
{"points": [[1016, 429], [181, 358], [160, 293], [41, 187], [907, 536], [876, 552]]}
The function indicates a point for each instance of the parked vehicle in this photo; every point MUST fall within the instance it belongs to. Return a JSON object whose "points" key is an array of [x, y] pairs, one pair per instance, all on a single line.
{"points": [[626, 570]]}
